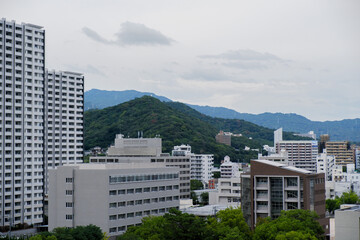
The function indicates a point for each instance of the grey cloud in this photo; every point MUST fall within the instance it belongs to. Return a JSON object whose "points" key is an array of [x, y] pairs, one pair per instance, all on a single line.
{"points": [[86, 69], [94, 35], [244, 55], [132, 34], [206, 74], [246, 59]]}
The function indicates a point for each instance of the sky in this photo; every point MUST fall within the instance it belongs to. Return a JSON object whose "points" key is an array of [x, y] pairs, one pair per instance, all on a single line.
{"points": [[254, 56]]}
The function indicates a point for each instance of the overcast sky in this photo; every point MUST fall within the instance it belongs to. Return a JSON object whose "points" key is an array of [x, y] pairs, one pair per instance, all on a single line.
{"points": [[252, 56]]}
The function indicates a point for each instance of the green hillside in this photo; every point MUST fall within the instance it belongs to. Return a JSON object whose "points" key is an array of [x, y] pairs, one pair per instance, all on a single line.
{"points": [[176, 124]]}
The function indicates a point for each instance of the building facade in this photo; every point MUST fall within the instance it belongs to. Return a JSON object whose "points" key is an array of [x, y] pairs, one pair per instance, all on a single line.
{"points": [[147, 150], [201, 165], [64, 114], [111, 196], [342, 152], [275, 187], [229, 169], [22, 70], [228, 192], [35, 115], [301, 154], [223, 138]]}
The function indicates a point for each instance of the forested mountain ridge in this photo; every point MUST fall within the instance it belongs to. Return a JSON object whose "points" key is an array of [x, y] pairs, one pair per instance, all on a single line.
{"points": [[176, 124], [348, 129]]}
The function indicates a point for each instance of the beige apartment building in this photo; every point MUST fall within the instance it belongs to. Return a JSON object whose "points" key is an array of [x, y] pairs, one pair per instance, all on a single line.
{"points": [[342, 152]]}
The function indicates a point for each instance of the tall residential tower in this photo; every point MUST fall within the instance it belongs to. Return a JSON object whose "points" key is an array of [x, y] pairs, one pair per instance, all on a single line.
{"points": [[40, 120]]}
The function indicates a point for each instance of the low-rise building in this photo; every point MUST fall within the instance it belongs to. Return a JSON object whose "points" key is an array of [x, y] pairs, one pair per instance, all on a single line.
{"points": [[111, 196], [347, 223], [228, 192]]}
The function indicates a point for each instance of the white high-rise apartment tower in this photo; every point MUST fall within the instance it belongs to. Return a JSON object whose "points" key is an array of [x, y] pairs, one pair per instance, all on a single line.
{"points": [[26, 120]]}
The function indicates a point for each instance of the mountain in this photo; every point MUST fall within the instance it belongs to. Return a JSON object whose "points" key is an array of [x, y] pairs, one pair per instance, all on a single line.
{"points": [[176, 123], [348, 129], [98, 99]]}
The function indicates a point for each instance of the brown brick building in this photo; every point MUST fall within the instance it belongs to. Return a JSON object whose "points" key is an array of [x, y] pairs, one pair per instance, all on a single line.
{"points": [[271, 187]]}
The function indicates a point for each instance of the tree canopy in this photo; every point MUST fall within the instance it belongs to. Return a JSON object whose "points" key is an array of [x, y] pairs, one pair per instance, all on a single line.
{"points": [[303, 222], [346, 198]]}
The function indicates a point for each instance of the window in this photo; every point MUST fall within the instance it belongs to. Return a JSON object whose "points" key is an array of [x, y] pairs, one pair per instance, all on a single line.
{"points": [[154, 189], [121, 204], [130, 215], [112, 205], [122, 191], [69, 180], [130, 203], [162, 188], [69, 204], [138, 190], [292, 182], [138, 202], [69, 192], [69, 217], [147, 189], [112, 230], [129, 191], [112, 192], [121, 216], [112, 217]]}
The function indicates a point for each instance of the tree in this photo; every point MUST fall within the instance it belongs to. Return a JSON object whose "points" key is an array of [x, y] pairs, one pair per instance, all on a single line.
{"points": [[346, 198], [180, 225], [196, 185], [349, 198], [332, 205], [204, 198], [152, 228], [299, 220], [229, 224]]}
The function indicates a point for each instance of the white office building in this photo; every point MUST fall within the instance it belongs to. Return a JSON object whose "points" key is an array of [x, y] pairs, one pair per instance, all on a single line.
{"points": [[147, 150], [201, 165], [111, 196], [229, 169], [26, 118], [325, 164]]}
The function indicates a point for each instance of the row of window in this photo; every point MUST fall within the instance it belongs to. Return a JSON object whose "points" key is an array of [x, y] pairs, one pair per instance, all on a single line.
{"points": [[143, 190], [142, 201], [145, 177]]}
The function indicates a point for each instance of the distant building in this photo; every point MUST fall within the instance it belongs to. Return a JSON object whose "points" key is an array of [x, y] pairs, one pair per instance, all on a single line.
{"points": [[323, 139], [342, 152], [147, 150], [301, 154], [271, 187], [278, 136], [111, 196], [347, 223], [357, 158], [310, 134], [201, 165], [223, 138], [229, 169], [228, 192], [325, 164]]}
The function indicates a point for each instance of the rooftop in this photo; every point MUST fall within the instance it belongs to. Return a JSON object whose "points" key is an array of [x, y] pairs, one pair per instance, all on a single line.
{"points": [[284, 166]]}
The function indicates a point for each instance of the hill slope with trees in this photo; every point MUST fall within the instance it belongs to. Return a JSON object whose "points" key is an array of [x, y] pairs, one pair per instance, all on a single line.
{"points": [[176, 124]]}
